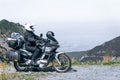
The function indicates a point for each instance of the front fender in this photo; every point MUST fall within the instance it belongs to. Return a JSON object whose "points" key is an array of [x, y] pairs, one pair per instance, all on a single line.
{"points": [[57, 55]]}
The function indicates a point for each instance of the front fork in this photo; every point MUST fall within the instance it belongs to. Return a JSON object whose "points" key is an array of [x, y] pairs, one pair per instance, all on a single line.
{"points": [[57, 55]]}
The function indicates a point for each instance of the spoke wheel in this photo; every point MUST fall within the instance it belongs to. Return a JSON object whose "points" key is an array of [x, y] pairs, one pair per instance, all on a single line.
{"points": [[64, 63]]}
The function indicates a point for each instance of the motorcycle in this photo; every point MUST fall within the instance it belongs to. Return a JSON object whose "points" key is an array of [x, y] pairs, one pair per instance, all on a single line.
{"points": [[21, 58]]}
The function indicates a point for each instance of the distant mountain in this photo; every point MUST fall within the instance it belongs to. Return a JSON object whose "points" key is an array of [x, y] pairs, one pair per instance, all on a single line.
{"points": [[7, 27], [111, 48], [76, 55]]}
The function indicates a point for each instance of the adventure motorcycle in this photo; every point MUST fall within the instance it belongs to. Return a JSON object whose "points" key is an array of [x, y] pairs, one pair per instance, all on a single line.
{"points": [[22, 58]]}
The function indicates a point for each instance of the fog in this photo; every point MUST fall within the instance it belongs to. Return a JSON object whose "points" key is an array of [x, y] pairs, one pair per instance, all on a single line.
{"points": [[81, 36], [78, 24]]}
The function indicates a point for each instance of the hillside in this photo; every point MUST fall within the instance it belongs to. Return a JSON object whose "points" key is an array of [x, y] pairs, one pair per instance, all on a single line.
{"points": [[111, 48], [76, 55], [7, 27]]}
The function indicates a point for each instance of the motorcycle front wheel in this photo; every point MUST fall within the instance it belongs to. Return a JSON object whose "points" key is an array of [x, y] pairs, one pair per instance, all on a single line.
{"points": [[62, 63], [18, 67]]}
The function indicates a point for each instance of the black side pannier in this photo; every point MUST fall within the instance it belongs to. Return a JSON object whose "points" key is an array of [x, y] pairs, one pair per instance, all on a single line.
{"points": [[12, 55], [16, 41], [12, 43]]}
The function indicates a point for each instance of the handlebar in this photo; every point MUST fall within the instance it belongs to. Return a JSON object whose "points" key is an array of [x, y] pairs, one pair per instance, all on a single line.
{"points": [[45, 42]]}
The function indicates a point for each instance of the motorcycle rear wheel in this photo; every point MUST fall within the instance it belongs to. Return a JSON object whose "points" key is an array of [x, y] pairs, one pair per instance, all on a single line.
{"points": [[64, 65], [18, 67]]}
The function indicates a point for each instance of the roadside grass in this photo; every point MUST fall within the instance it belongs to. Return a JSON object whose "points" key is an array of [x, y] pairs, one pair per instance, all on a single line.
{"points": [[5, 74], [75, 63], [22, 75], [111, 63]]}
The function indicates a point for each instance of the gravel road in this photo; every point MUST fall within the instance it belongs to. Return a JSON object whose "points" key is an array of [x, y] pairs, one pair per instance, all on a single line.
{"points": [[81, 73], [86, 73]]}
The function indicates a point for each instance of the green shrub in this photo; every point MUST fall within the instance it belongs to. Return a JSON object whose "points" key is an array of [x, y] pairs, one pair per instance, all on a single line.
{"points": [[112, 63], [75, 62]]}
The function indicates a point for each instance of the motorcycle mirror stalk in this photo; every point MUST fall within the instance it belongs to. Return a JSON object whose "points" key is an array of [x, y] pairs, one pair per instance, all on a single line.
{"points": [[41, 35]]}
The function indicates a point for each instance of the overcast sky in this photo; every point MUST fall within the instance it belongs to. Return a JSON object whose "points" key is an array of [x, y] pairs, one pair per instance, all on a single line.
{"points": [[81, 24]]}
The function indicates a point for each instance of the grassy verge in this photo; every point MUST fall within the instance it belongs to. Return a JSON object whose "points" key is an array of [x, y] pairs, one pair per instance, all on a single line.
{"points": [[22, 76], [77, 63], [5, 74], [111, 63]]}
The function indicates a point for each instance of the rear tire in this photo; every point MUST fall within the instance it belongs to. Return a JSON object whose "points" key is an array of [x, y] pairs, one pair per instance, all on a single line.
{"points": [[65, 63], [18, 67]]}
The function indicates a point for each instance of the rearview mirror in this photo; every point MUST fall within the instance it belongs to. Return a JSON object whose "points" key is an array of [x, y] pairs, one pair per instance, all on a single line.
{"points": [[41, 35]]}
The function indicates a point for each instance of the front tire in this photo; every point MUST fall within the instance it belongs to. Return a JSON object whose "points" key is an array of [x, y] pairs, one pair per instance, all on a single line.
{"points": [[63, 65]]}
